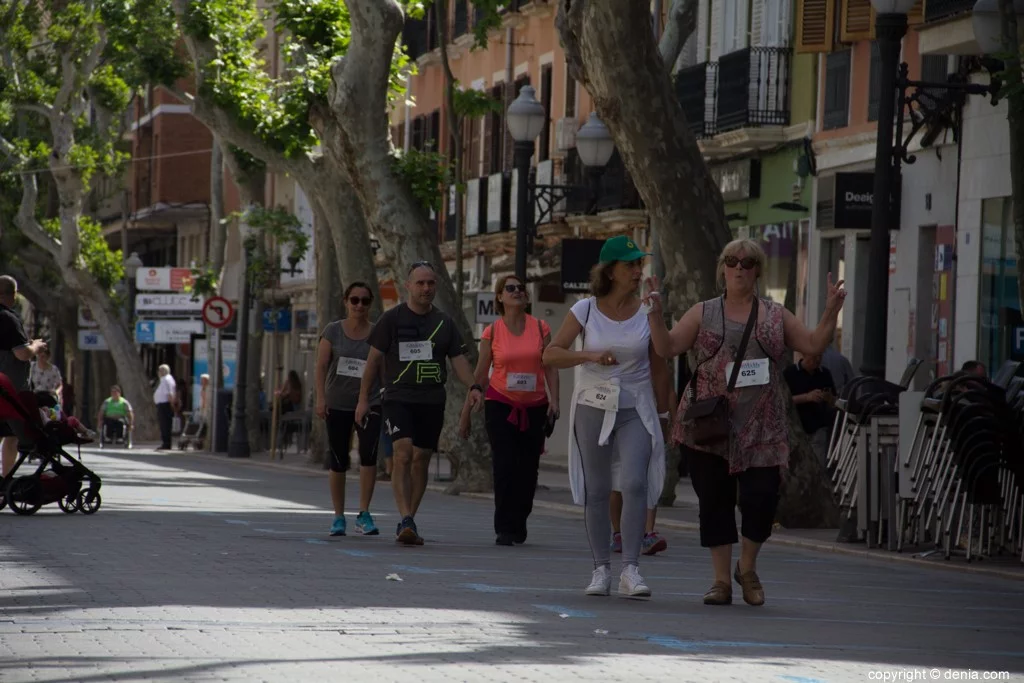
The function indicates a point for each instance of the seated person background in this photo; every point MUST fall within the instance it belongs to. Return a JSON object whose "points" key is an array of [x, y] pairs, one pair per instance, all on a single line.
{"points": [[115, 412], [813, 393]]}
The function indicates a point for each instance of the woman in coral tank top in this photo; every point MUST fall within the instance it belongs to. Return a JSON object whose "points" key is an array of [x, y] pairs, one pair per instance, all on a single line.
{"points": [[521, 401]]}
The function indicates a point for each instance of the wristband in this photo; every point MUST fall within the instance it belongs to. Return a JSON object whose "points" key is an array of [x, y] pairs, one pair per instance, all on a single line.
{"points": [[477, 387], [663, 416]]}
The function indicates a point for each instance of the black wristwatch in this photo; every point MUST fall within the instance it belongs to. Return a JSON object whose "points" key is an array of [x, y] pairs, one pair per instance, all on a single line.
{"points": [[477, 387]]}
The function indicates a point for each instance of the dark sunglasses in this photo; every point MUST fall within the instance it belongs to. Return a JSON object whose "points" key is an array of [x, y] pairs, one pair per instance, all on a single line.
{"points": [[420, 264], [364, 300], [747, 263], [512, 289]]}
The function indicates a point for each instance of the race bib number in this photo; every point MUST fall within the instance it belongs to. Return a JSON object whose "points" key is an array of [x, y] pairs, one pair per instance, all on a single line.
{"points": [[410, 351], [603, 397], [753, 373], [351, 367], [522, 381]]}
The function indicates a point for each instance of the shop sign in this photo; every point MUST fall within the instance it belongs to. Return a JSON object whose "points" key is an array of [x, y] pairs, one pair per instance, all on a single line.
{"points": [[738, 180], [578, 257], [853, 201]]}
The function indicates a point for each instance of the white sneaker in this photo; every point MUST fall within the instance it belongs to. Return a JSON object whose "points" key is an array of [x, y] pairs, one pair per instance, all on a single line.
{"points": [[631, 584], [600, 582]]}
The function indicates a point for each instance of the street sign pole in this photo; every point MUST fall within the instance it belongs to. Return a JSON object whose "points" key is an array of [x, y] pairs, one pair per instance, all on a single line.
{"points": [[215, 393]]}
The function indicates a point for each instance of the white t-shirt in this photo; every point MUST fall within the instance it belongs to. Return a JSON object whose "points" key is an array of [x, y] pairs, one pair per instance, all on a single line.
{"points": [[165, 390], [629, 340]]}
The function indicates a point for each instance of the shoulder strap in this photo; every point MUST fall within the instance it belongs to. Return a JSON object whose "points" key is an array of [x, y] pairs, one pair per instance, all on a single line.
{"points": [[751, 320], [742, 350], [583, 329]]}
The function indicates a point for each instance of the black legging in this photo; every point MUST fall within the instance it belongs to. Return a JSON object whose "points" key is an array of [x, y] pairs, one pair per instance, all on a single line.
{"points": [[516, 458], [716, 491], [165, 415]]}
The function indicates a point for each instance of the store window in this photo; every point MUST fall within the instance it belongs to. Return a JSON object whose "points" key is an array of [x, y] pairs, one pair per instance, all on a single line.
{"points": [[784, 277], [999, 305]]}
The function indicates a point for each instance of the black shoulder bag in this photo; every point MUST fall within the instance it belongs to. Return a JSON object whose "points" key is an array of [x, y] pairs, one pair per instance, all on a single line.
{"points": [[710, 417]]}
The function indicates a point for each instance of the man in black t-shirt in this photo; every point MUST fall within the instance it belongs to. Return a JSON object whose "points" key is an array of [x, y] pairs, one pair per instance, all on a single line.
{"points": [[414, 340], [15, 353], [813, 393]]}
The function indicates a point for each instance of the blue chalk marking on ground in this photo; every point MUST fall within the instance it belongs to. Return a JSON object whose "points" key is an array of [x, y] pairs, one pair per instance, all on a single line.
{"points": [[412, 570], [801, 679], [355, 553], [316, 541], [485, 588], [237, 521], [575, 613]]}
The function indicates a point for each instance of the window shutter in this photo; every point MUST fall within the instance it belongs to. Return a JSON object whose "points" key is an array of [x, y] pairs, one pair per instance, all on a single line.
{"points": [[758, 10], [916, 13], [703, 7], [488, 123], [717, 30], [814, 26], [858, 21]]}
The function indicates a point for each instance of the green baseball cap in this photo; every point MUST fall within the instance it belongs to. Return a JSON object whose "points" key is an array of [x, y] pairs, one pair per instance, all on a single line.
{"points": [[621, 248]]}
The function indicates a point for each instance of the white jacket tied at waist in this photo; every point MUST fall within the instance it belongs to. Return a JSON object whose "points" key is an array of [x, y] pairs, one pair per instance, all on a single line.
{"points": [[647, 408]]}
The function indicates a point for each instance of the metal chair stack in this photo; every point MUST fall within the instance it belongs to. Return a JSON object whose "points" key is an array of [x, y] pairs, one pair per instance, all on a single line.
{"points": [[962, 471], [863, 451]]}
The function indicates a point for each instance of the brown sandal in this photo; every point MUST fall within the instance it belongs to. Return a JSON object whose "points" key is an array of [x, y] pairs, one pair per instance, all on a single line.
{"points": [[720, 594], [753, 591]]}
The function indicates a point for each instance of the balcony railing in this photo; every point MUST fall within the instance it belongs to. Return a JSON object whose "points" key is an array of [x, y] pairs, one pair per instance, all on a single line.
{"points": [[934, 10], [746, 88]]}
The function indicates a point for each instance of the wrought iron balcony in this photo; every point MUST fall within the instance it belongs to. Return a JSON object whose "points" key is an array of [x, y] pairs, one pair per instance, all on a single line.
{"points": [[746, 88], [934, 10]]}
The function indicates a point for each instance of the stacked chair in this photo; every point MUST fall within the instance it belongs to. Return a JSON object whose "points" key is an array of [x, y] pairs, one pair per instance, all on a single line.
{"points": [[955, 480]]}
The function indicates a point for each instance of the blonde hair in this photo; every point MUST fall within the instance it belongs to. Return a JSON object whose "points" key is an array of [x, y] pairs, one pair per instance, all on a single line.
{"points": [[735, 248]]}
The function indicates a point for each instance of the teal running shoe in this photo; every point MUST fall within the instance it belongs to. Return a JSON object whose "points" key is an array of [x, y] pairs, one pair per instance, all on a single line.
{"points": [[365, 525], [338, 528]]}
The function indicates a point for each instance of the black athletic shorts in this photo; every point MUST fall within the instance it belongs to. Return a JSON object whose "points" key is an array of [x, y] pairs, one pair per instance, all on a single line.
{"points": [[421, 422], [339, 436]]}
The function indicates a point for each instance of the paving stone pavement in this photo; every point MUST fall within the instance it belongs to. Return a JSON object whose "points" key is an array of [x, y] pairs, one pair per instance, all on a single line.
{"points": [[198, 568]]}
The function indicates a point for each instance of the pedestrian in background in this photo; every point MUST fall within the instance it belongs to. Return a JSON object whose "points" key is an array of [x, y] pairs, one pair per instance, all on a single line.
{"points": [[520, 406], [622, 386], [166, 399], [745, 445], [16, 350]]}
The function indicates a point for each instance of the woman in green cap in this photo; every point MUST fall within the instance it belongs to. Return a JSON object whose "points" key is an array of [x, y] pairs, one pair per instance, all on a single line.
{"points": [[621, 387]]}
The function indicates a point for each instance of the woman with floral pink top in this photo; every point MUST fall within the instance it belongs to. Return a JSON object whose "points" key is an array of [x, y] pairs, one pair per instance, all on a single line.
{"points": [[756, 448]]}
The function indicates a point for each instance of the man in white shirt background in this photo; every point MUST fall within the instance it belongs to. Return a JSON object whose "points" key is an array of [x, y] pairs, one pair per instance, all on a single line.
{"points": [[165, 396]]}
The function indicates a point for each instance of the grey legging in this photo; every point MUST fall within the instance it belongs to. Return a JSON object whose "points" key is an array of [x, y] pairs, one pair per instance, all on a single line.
{"points": [[631, 443]]}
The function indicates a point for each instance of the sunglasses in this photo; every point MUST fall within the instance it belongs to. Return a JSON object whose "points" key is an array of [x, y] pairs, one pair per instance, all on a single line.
{"points": [[364, 300], [512, 289], [747, 263], [420, 264]]}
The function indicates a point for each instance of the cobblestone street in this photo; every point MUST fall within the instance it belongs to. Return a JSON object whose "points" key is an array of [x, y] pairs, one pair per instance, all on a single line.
{"points": [[198, 568]]}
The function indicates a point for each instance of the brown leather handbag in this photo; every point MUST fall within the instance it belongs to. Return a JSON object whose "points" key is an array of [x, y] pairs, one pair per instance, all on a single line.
{"points": [[709, 417]]}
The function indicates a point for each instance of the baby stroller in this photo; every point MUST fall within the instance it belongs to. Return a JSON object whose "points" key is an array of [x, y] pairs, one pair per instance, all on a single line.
{"points": [[193, 433], [59, 477]]}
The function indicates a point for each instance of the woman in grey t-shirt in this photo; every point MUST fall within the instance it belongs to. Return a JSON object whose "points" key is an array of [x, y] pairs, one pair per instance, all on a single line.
{"points": [[341, 358]]}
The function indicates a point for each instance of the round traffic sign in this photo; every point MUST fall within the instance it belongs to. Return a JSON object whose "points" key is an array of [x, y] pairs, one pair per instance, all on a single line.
{"points": [[218, 312]]}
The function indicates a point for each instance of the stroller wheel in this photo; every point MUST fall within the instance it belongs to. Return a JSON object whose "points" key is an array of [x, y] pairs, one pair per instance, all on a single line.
{"points": [[69, 503], [3, 500], [89, 501], [23, 495]]}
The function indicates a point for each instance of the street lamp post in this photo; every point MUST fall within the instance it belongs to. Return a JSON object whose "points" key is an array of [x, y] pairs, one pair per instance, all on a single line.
{"points": [[526, 119], [926, 105], [131, 269], [890, 27], [238, 447]]}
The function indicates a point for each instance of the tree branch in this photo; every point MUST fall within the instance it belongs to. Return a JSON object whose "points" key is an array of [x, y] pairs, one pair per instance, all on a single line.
{"points": [[682, 22], [40, 108], [67, 85], [26, 218], [367, 64]]}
